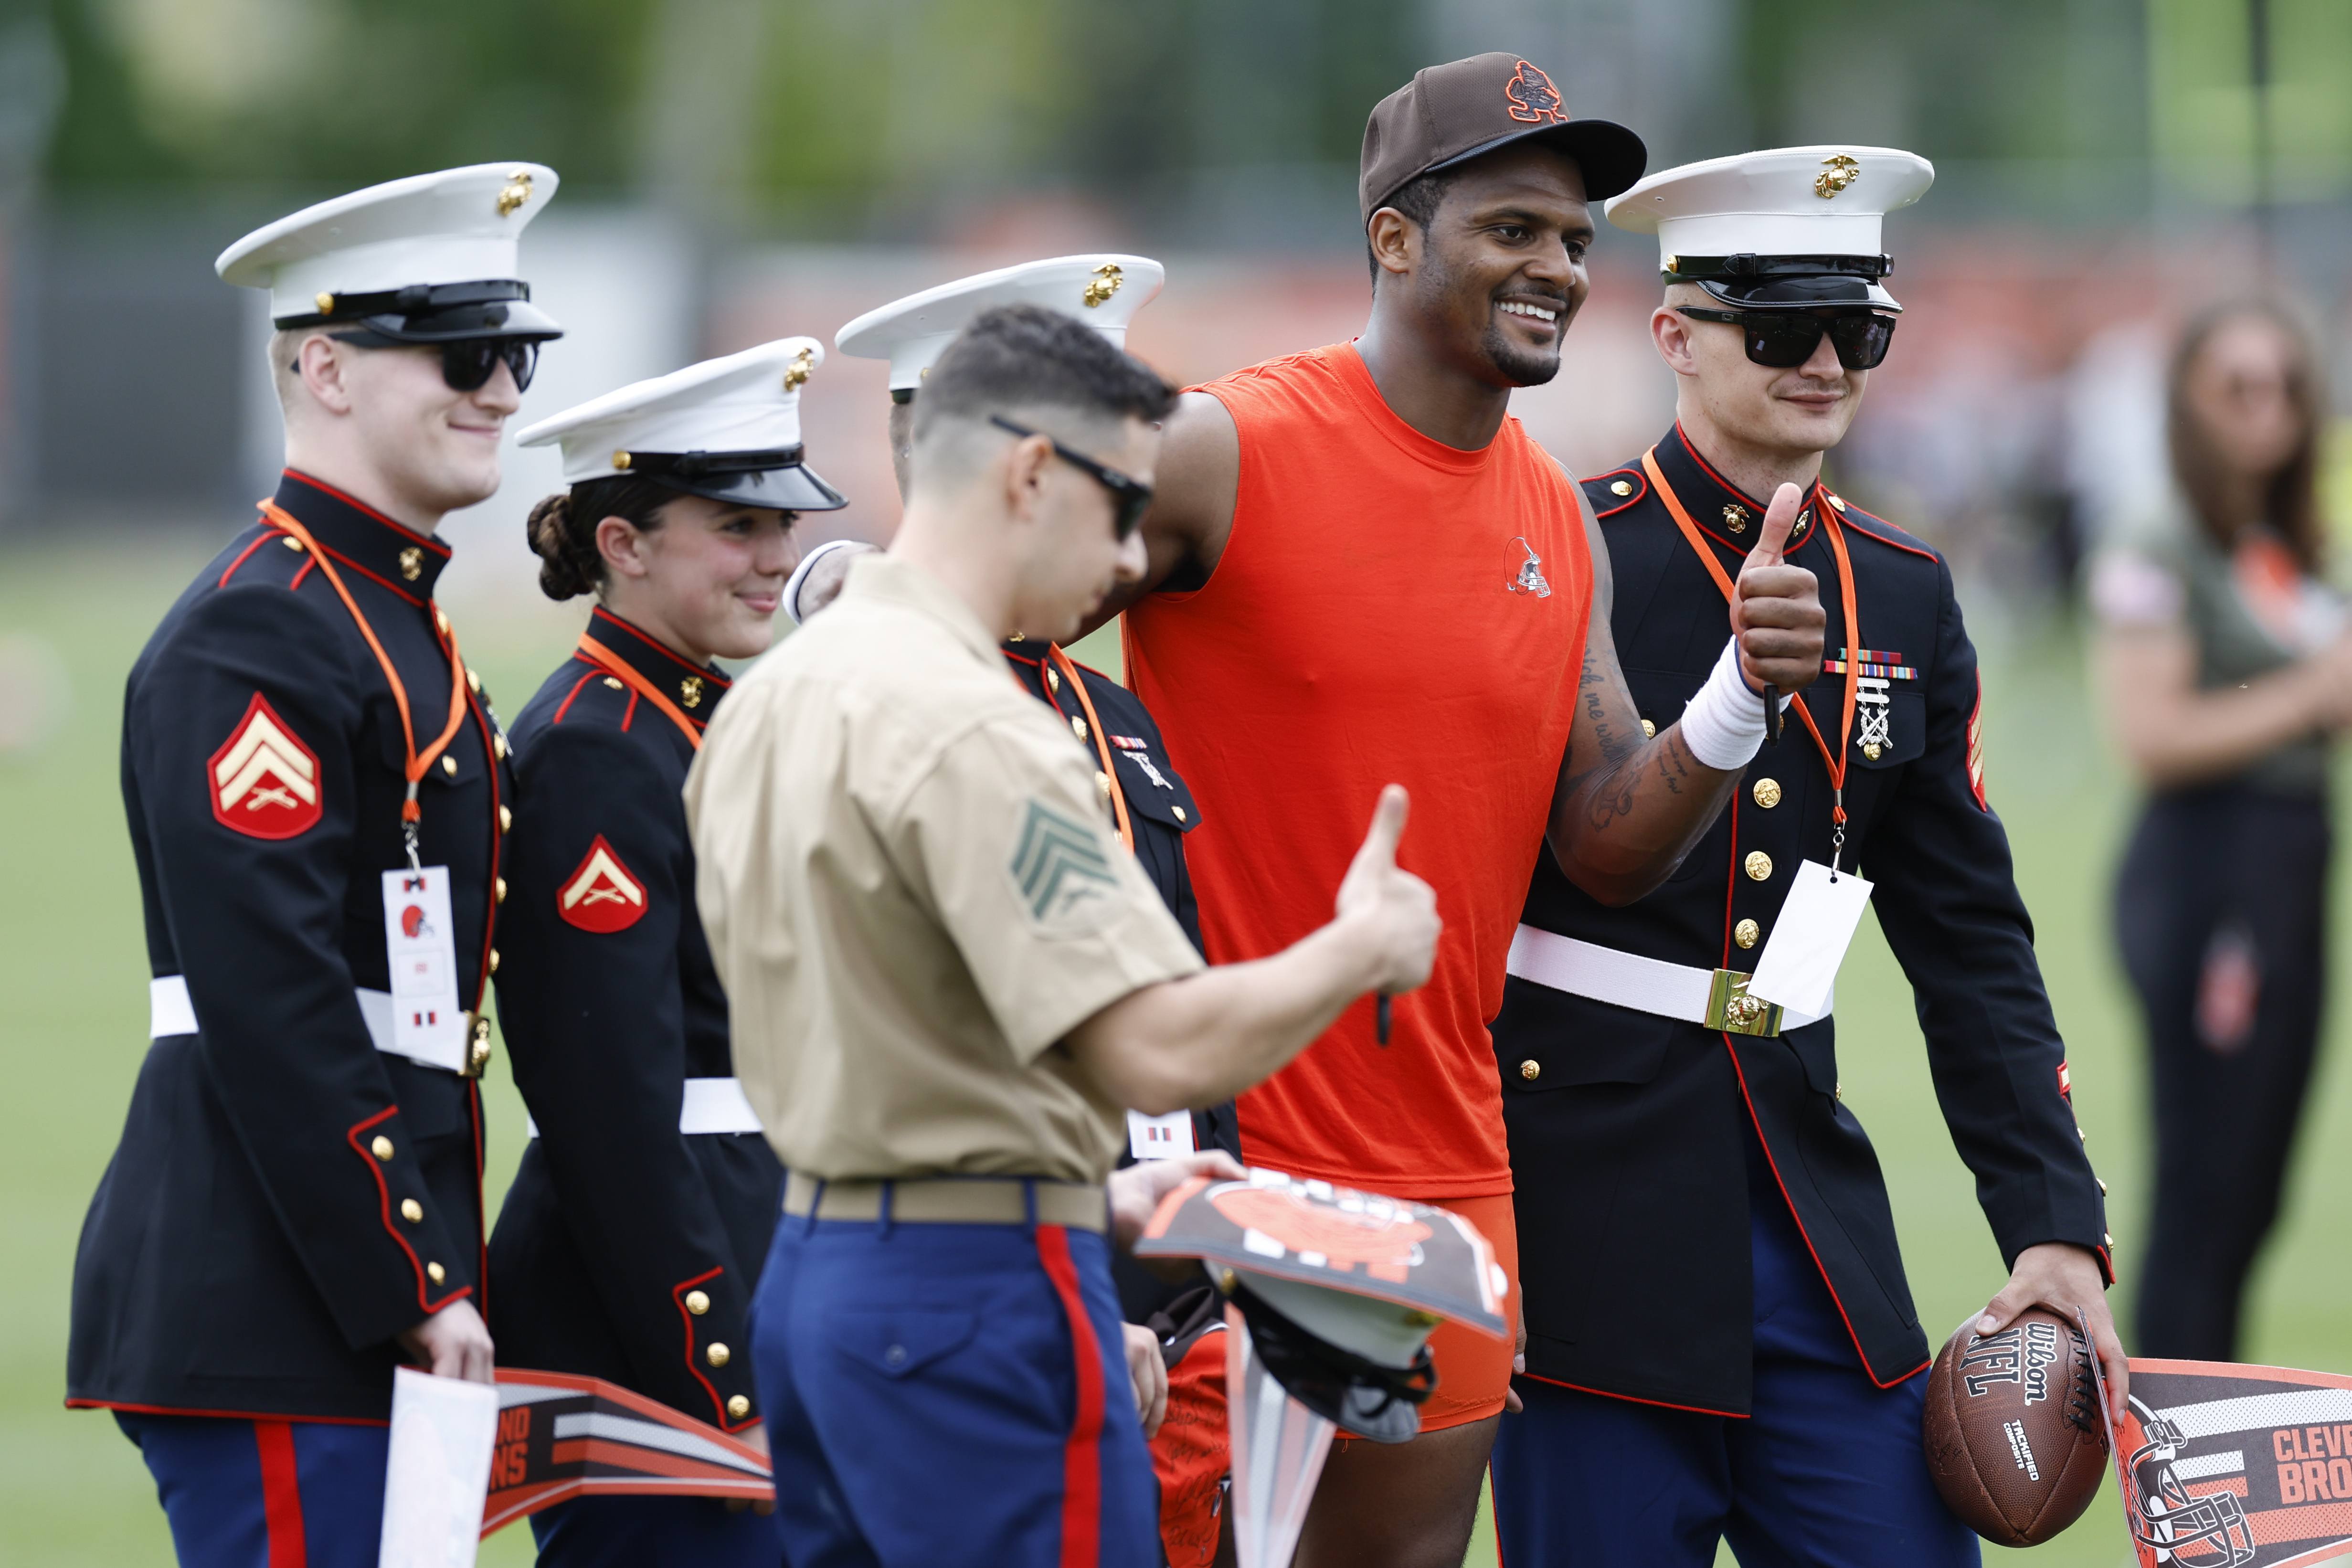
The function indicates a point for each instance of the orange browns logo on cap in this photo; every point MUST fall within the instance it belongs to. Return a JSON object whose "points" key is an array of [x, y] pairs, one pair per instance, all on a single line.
{"points": [[1533, 98], [600, 896], [264, 782], [1385, 1243]]}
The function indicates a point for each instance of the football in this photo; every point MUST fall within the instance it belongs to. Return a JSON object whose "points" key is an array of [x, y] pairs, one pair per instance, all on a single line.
{"points": [[2013, 1435]]}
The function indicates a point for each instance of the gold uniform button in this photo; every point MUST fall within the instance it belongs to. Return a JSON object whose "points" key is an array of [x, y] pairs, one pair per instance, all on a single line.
{"points": [[1838, 1092], [1531, 1070], [2108, 1237], [1179, 811], [738, 1408], [1054, 681], [2102, 1186], [292, 543], [473, 683], [2083, 1136], [501, 746], [1837, 501], [1621, 487], [506, 820], [411, 1211], [614, 682], [1649, 730], [1747, 934], [1871, 750], [436, 1273], [718, 1355], [1767, 792], [450, 764], [494, 960], [499, 894], [1077, 726], [441, 620], [1759, 866], [697, 1302], [381, 1148], [412, 564], [1102, 785]]}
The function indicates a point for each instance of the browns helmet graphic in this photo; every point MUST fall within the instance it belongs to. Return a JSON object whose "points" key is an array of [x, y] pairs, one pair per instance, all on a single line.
{"points": [[600, 896], [2230, 1466], [264, 782], [1533, 98]]}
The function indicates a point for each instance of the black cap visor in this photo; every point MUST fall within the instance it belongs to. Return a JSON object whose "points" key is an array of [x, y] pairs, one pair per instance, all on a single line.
{"points": [[1790, 282], [775, 478], [1367, 1399], [441, 312], [1610, 156]]}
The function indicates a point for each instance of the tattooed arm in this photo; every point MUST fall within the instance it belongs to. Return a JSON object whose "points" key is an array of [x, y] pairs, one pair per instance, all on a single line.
{"points": [[1627, 809]]}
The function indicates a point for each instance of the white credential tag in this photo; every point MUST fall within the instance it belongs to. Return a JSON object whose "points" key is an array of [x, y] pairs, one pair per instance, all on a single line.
{"points": [[421, 952], [437, 1475], [1799, 969], [1159, 1137]]}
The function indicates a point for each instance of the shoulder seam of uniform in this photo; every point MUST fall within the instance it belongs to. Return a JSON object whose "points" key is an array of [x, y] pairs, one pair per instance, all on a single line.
{"points": [[1641, 489], [1903, 542]]}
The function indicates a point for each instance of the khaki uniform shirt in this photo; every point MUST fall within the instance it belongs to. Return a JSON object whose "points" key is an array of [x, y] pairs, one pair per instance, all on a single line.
{"points": [[911, 891]]}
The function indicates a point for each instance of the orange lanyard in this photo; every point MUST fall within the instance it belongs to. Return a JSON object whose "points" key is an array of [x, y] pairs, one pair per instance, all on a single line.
{"points": [[1835, 761], [410, 813], [1102, 742], [596, 653]]}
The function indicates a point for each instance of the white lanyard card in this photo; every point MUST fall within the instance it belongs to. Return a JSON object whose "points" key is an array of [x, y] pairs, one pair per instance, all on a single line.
{"points": [[1799, 969], [421, 952], [1159, 1137]]}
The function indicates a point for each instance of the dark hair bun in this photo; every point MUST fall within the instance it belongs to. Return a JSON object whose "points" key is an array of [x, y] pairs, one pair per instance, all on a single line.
{"points": [[569, 565]]}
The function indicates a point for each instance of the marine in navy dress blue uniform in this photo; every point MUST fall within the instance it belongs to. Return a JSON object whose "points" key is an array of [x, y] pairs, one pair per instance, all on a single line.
{"points": [[633, 1238], [296, 1201], [1720, 1339]]}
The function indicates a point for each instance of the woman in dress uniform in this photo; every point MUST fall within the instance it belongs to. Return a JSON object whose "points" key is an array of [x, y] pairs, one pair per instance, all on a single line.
{"points": [[632, 1239], [2226, 667]]}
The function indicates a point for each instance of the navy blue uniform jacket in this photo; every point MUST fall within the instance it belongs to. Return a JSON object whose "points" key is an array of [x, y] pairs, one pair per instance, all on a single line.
{"points": [[251, 1250], [627, 1249], [1625, 1135]]}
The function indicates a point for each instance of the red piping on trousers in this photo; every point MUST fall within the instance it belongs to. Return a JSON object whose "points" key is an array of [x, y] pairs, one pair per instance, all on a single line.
{"points": [[1082, 1456], [281, 1494]]}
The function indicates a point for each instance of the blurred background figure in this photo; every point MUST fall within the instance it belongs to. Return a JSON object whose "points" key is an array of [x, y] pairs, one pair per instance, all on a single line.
{"points": [[2226, 669]]}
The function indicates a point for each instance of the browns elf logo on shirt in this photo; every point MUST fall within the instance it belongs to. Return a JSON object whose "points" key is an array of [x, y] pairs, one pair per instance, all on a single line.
{"points": [[264, 782], [600, 896], [1532, 97]]}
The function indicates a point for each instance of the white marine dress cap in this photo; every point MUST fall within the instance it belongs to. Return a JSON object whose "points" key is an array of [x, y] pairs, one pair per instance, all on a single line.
{"points": [[1789, 229], [424, 259], [1104, 291], [726, 428]]}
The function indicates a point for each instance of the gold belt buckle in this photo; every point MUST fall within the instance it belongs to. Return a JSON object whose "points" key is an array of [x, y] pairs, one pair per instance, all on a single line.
{"points": [[1732, 1010], [477, 1045]]}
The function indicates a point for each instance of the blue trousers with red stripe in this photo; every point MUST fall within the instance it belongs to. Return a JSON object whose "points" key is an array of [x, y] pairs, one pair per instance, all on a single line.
{"points": [[243, 1493], [942, 1394], [1826, 1471]]}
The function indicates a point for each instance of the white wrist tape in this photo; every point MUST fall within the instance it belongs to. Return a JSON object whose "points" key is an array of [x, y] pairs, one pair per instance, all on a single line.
{"points": [[801, 573], [1724, 723]]}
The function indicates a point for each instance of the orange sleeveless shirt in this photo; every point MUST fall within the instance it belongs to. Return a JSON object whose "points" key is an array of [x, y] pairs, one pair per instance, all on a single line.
{"points": [[1387, 609]]}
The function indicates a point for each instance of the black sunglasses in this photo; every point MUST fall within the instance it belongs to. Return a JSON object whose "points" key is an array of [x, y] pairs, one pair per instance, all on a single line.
{"points": [[466, 363], [1784, 339], [1133, 497]]}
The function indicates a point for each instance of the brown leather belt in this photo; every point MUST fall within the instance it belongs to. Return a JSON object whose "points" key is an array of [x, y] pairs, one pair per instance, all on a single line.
{"points": [[954, 1200]]}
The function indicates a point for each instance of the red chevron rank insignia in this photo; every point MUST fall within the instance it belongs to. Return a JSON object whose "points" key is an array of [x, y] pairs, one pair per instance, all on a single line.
{"points": [[600, 896], [264, 782]]}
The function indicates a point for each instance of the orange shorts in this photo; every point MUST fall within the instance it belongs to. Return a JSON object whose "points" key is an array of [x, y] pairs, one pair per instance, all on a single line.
{"points": [[1473, 1371]]}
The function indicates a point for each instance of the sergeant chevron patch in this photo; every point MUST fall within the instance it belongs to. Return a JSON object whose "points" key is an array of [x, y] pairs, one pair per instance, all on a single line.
{"points": [[600, 896], [264, 782], [1060, 871]]}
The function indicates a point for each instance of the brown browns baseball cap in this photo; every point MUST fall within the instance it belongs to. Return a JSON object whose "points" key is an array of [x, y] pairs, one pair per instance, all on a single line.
{"points": [[1448, 114]]}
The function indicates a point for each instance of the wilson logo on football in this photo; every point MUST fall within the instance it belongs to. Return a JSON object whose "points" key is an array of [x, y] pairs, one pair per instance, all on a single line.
{"points": [[264, 782], [600, 896]]}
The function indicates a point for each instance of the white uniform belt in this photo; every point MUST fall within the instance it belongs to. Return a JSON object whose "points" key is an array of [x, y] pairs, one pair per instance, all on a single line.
{"points": [[169, 1011], [711, 1105], [1715, 998]]}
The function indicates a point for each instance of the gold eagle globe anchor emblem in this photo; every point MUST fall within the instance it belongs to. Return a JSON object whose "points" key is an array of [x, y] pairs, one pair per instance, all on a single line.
{"points": [[1837, 173]]}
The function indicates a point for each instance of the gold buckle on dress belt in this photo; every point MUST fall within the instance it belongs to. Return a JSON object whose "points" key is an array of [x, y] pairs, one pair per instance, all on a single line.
{"points": [[1731, 1009]]}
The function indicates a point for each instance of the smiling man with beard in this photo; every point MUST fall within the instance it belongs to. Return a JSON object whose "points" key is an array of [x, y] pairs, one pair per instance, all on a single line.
{"points": [[1312, 511]]}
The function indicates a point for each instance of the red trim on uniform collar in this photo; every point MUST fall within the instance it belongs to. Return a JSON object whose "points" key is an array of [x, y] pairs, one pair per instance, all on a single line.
{"points": [[601, 616], [1709, 522], [323, 488]]}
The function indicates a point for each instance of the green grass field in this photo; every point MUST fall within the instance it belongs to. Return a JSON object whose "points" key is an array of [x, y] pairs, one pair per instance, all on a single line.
{"points": [[72, 992]]}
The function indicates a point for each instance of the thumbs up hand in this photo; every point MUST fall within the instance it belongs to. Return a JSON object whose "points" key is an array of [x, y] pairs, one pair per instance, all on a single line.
{"points": [[1392, 911], [1776, 612]]}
